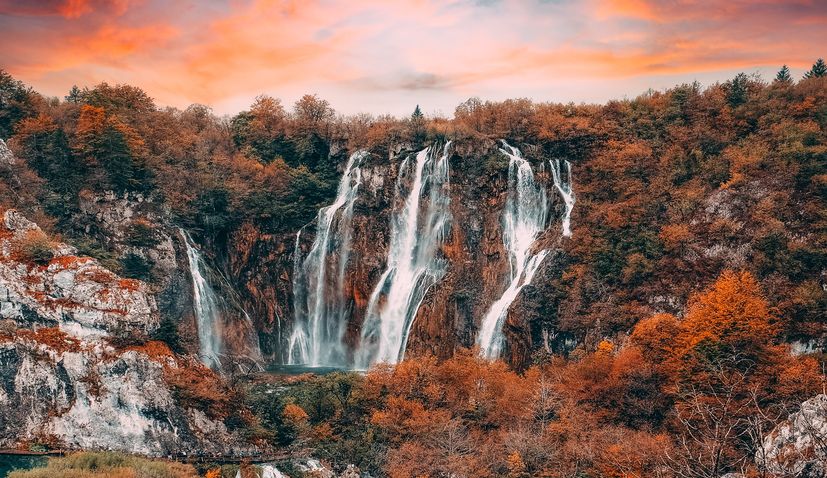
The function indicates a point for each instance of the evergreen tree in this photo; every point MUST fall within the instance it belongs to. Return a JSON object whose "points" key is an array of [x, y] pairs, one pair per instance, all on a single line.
{"points": [[737, 89], [783, 75], [75, 95], [818, 70], [417, 115]]}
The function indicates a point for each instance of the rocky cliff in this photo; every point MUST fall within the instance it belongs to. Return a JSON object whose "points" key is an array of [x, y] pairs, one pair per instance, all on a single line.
{"points": [[798, 445], [76, 367], [478, 263]]}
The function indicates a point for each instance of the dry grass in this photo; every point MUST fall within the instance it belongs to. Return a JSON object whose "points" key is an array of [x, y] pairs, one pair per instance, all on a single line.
{"points": [[109, 465]]}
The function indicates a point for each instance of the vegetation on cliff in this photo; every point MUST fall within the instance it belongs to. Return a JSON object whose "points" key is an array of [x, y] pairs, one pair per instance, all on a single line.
{"points": [[698, 255]]}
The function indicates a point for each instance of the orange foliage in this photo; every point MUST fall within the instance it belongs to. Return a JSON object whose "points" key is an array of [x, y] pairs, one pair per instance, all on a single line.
{"points": [[52, 337], [733, 313], [295, 413]]}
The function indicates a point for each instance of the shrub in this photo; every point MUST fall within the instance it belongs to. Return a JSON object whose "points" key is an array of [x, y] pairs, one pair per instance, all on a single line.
{"points": [[34, 246], [167, 332], [141, 233], [134, 266]]}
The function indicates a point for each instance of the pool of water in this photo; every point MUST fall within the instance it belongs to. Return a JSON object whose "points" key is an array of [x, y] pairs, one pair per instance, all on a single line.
{"points": [[301, 369], [9, 463]]}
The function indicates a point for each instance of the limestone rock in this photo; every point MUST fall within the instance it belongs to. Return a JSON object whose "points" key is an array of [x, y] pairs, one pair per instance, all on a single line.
{"points": [[796, 447]]}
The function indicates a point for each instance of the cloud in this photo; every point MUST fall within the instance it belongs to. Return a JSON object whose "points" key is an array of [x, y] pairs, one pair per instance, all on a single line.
{"points": [[379, 54], [66, 8]]}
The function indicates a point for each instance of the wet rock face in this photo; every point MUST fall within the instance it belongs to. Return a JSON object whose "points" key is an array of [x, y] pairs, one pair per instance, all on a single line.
{"points": [[797, 445], [61, 380], [132, 224], [449, 316]]}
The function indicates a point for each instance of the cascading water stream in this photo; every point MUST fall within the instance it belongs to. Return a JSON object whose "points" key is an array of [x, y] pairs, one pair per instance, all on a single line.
{"points": [[205, 302], [524, 218], [318, 284], [564, 187], [418, 230]]}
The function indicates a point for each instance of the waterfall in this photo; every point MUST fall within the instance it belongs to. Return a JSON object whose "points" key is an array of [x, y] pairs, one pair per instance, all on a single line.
{"points": [[564, 187], [524, 218], [417, 231], [205, 301], [321, 311]]}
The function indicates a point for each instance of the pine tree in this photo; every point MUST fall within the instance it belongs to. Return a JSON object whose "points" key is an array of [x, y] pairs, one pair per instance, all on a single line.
{"points": [[818, 70], [783, 75], [737, 89], [75, 95], [417, 115]]}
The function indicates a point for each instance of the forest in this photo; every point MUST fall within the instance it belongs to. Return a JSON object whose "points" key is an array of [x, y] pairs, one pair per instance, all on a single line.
{"points": [[717, 194]]}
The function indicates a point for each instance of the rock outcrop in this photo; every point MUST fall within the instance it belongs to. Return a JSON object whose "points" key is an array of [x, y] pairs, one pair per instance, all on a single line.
{"points": [[798, 445], [76, 369]]}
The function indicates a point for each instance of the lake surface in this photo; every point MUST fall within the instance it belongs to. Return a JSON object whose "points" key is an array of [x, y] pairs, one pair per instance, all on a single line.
{"points": [[9, 463], [278, 369]]}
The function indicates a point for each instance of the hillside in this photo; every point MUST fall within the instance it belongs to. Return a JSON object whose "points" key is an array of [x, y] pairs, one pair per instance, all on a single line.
{"points": [[635, 265]]}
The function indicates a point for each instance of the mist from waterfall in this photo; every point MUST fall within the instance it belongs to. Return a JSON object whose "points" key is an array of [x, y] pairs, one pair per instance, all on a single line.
{"points": [[564, 187], [206, 305], [321, 310], [417, 232], [209, 308], [524, 218]]}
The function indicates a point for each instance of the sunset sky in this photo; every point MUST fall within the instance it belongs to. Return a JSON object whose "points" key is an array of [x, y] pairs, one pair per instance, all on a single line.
{"points": [[386, 56]]}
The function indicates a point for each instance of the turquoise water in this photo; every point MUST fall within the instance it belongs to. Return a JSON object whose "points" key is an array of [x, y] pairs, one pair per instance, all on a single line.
{"points": [[9, 463], [301, 369]]}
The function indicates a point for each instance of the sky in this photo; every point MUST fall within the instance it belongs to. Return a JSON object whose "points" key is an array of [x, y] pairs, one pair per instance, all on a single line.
{"points": [[386, 56]]}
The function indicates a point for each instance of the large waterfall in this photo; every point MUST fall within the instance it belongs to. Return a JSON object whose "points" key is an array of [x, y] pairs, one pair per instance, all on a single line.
{"points": [[321, 311], [207, 312], [524, 218], [418, 229]]}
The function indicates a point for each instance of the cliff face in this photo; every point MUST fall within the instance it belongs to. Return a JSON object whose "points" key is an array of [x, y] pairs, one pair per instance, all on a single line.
{"points": [[796, 447], [76, 369], [477, 270]]}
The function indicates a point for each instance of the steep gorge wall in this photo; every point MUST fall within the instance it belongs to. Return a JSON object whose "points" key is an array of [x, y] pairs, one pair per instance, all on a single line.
{"points": [[450, 313]]}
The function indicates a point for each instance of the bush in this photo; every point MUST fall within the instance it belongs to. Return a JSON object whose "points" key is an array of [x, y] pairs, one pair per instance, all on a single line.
{"points": [[168, 333], [34, 246], [134, 266], [141, 233]]}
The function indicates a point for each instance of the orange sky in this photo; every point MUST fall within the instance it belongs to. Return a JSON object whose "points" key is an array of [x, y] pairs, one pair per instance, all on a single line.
{"points": [[386, 56]]}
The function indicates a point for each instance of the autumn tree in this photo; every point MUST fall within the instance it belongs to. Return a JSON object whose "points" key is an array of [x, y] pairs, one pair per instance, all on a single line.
{"points": [[261, 130], [16, 102], [108, 144], [45, 148]]}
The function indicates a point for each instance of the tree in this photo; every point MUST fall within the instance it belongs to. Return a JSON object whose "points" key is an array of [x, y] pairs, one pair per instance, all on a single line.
{"points": [[46, 150], [16, 102], [783, 76], [75, 95], [106, 143], [818, 70], [417, 115], [737, 89]]}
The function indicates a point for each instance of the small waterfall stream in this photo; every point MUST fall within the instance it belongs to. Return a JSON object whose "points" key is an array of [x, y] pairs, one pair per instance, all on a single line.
{"points": [[210, 310], [205, 301], [564, 187], [318, 279], [417, 231], [524, 218]]}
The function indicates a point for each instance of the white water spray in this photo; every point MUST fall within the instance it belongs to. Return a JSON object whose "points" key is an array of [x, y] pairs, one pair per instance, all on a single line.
{"points": [[564, 187], [524, 218], [205, 302], [418, 230], [318, 282]]}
